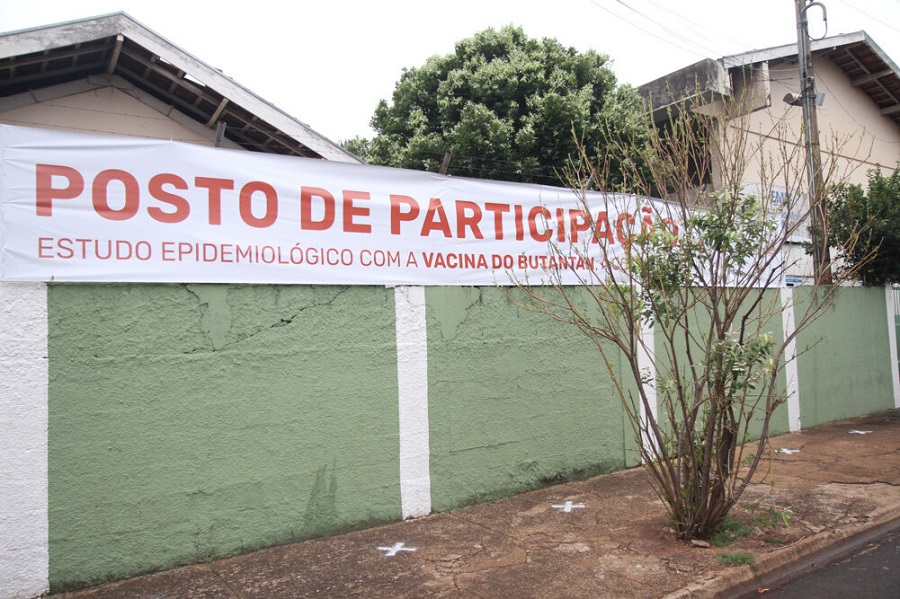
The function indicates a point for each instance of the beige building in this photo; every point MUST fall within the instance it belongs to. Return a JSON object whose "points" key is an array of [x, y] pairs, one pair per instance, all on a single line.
{"points": [[858, 110]]}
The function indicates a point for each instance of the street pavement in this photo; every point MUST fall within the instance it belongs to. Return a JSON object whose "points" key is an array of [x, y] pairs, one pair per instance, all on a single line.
{"points": [[869, 571], [602, 537]]}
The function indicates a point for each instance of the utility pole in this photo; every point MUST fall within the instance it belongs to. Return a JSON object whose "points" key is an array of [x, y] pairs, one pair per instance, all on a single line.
{"points": [[818, 211]]}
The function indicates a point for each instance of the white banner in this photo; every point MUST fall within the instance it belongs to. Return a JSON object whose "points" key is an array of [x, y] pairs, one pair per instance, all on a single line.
{"points": [[77, 207]]}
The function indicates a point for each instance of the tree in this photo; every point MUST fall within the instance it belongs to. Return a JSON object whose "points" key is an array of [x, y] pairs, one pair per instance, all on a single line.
{"points": [[874, 218], [683, 312], [357, 145], [505, 106]]}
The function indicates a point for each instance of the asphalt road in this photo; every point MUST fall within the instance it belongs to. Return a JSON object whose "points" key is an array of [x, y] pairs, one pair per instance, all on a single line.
{"points": [[871, 570]]}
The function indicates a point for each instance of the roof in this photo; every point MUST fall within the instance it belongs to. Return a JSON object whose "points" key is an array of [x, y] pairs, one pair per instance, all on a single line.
{"points": [[856, 54], [115, 44]]}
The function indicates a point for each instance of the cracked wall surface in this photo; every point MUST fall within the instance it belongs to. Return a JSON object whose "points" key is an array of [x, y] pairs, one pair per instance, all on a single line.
{"points": [[188, 422], [194, 421], [516, 400]]}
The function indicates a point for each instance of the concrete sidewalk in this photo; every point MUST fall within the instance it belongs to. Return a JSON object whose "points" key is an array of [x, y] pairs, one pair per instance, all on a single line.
{"points": [[603, 537]]}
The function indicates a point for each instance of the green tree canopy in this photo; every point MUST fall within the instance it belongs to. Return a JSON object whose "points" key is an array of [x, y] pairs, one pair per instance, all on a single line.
{"points": [[869, 224], [506, 106]]}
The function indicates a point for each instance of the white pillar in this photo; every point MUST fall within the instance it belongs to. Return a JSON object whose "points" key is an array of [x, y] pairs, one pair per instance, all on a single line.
{"points": [[647, 366], [892, 336], [412, 379], [24, 546], [790, 359]]}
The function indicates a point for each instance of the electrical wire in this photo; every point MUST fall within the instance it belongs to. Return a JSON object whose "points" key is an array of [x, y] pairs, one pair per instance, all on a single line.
{"points": [[707, 51], [696, 28], [650, 33], [672, 32], [875, 19]]}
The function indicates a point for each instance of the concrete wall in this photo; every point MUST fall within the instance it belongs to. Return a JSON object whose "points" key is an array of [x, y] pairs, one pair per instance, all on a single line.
{"points": [[192, 422], [195, 421], [515, 400], [188, 422], [847, 367]]}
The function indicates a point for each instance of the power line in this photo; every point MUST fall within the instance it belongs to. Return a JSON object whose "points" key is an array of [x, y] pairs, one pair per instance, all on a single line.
{"points": [[696, 28], [650, 33], [672, 32], [878, 20]]}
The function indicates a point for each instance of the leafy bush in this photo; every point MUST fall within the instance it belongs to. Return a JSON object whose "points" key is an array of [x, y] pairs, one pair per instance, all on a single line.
{"points": [[868, 223]]}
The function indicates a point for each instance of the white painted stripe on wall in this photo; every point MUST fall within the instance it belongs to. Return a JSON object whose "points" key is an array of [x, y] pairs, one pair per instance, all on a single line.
{"points": [[24, 547], [412, 375], [892, 336], [647, 366], [790, 359]]}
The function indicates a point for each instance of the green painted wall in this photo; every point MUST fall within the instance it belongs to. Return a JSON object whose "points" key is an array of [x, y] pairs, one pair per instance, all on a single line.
{"points": [[846, 369], [757, 322], [189, 422], [516, 400], [194, 421], [779, 424]]}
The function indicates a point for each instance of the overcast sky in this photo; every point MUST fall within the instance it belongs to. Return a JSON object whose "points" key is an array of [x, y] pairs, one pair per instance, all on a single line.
{"points": [[329, 62]]}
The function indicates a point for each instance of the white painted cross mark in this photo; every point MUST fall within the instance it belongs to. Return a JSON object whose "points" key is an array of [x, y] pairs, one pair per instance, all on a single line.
{"points": [[788, 451], [568, 506], [855, 432], [395, 548]]}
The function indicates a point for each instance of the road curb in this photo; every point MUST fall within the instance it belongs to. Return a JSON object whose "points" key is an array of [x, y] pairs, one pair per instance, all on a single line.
{"points": [[769, 565]]}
